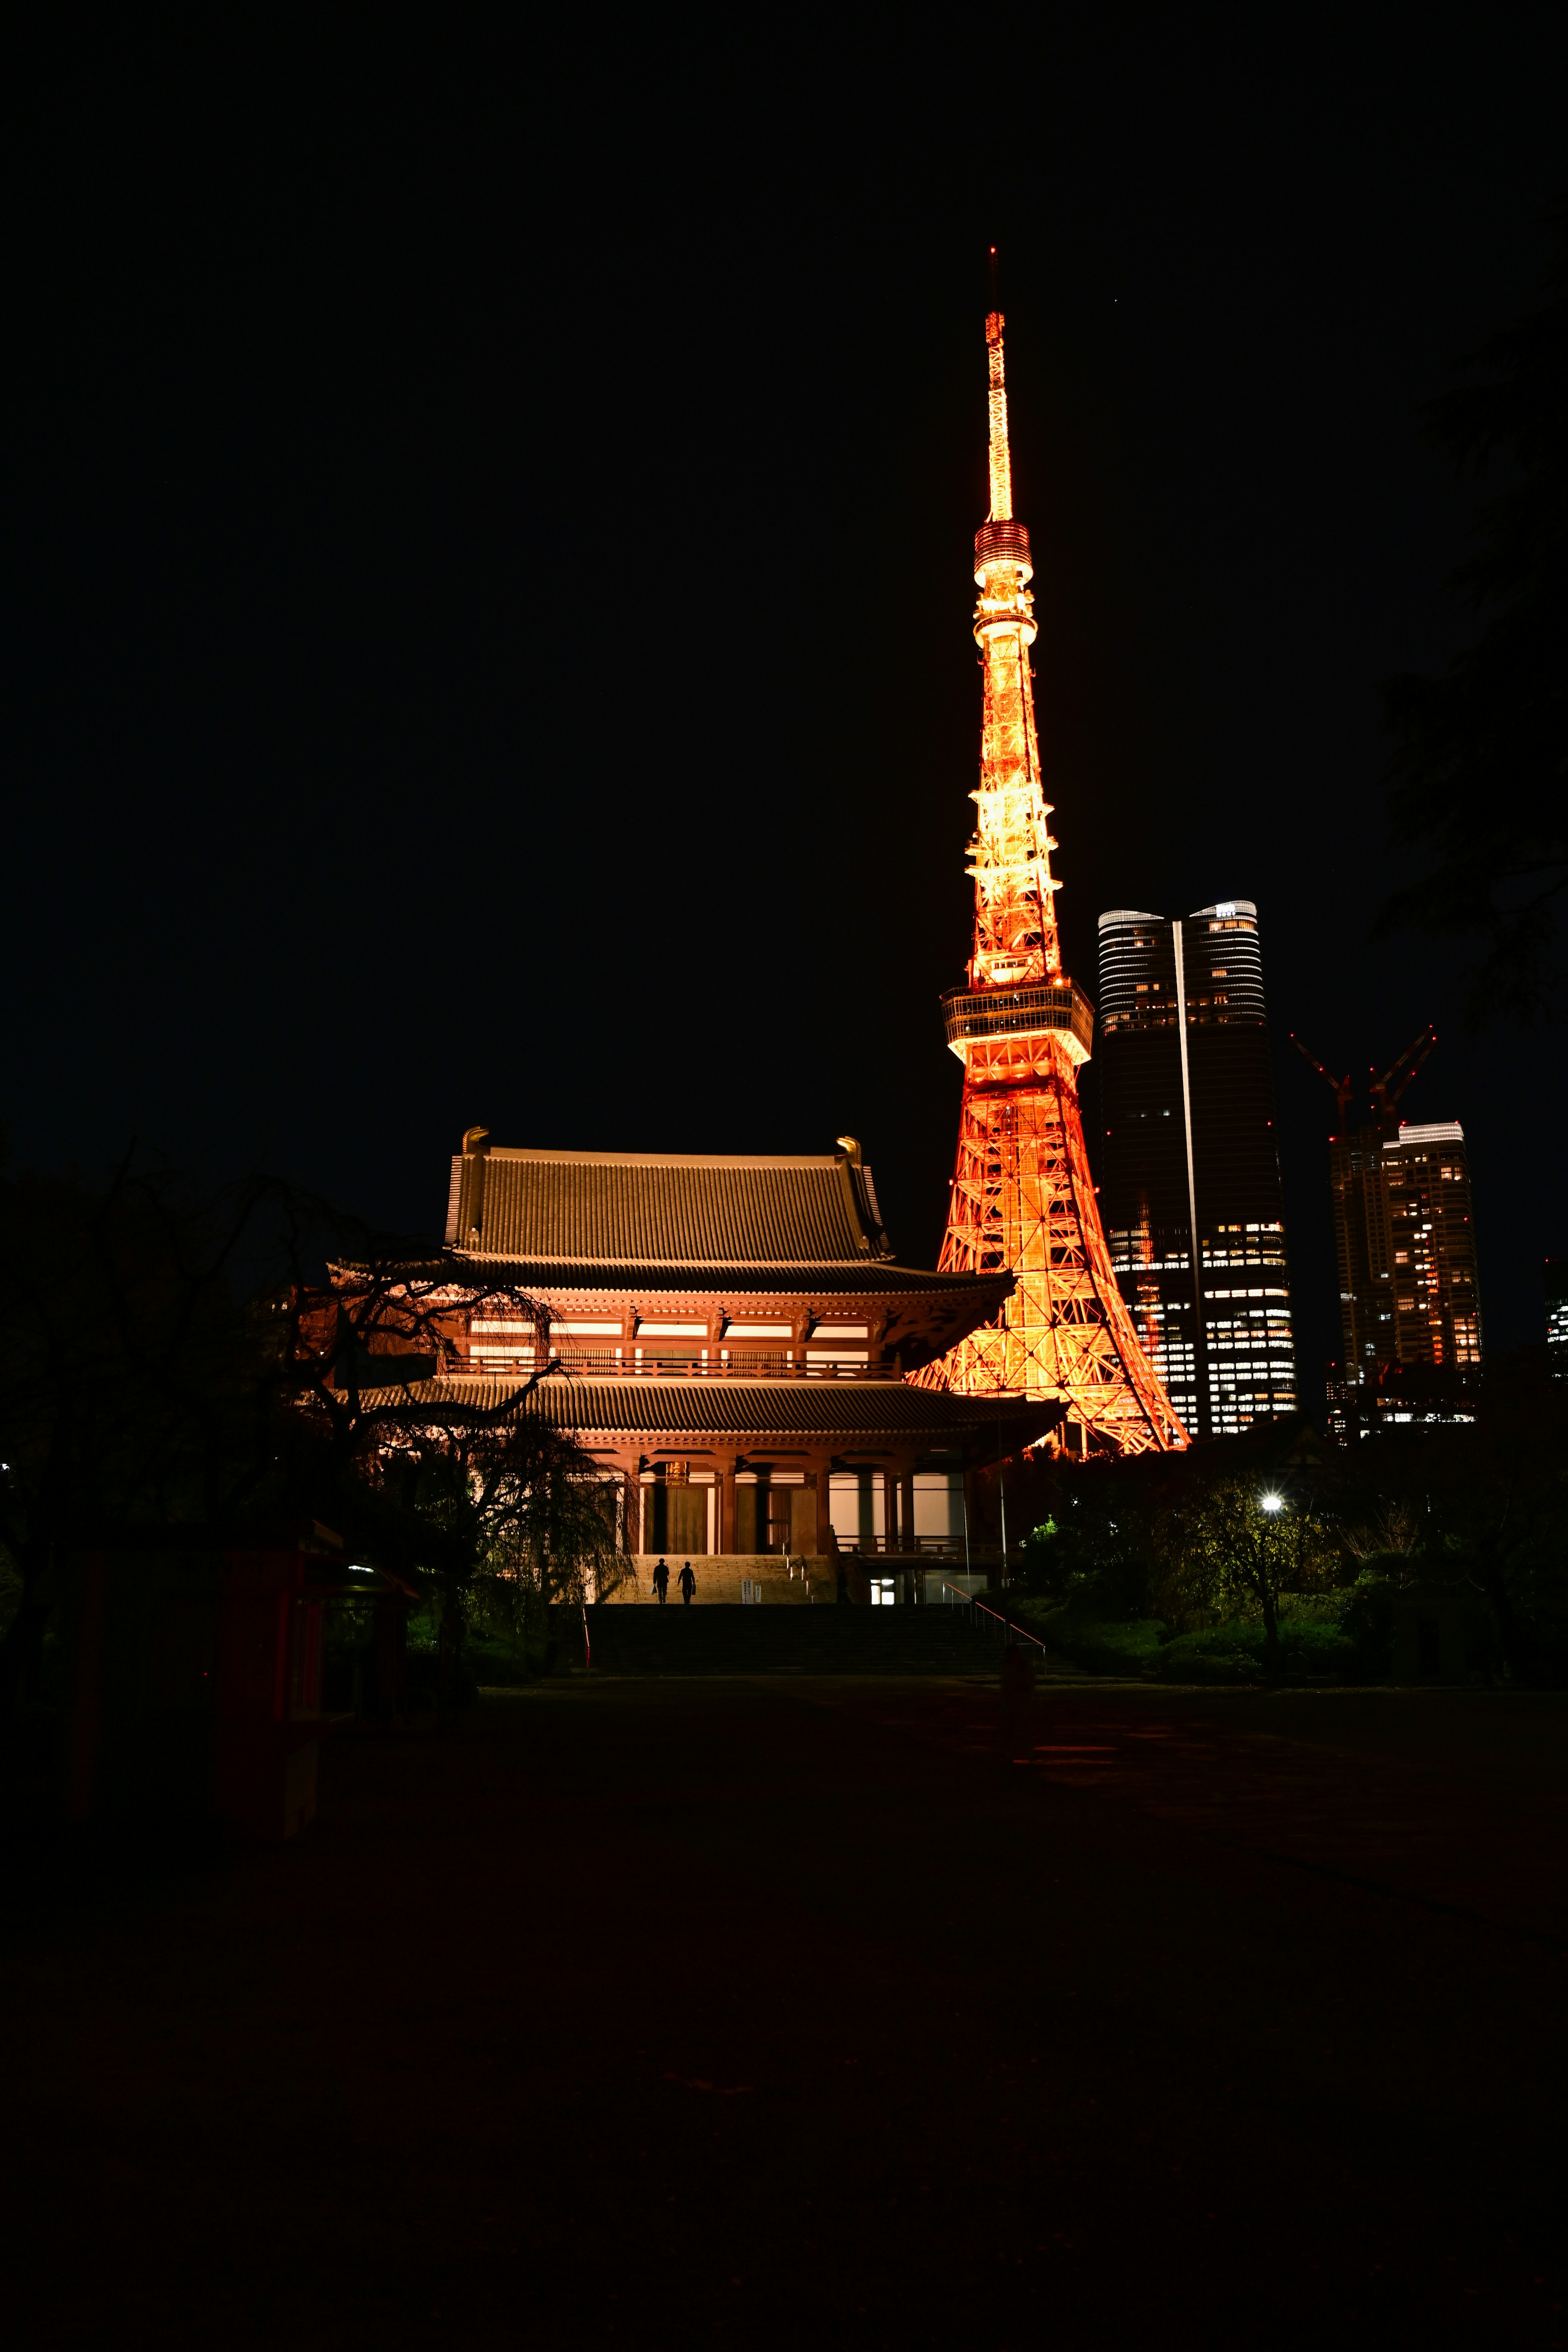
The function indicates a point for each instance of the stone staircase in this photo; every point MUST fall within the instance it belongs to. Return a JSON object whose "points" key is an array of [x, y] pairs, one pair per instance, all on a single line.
{"points": [[724, 1640]]}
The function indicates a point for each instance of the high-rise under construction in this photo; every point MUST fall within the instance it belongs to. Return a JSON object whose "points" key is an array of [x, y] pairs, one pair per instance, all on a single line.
{"points": [[1556, 1289], [1405, 1237], [1191, 1200]]}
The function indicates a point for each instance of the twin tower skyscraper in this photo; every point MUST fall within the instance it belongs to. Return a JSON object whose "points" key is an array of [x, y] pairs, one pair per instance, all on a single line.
{"points": [[1166, 1317], [1191, 1198]]}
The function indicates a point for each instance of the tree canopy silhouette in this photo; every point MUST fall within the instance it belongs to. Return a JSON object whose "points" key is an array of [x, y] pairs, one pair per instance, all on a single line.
{"points": [[248, 1360], [1478, 771]]}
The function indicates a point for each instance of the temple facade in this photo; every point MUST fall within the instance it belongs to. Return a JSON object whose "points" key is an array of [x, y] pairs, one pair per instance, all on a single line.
{"points": [[730, 1337]]}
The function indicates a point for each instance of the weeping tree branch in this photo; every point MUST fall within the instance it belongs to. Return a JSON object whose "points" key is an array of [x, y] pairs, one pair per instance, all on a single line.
{"points": [[244, 1356]]}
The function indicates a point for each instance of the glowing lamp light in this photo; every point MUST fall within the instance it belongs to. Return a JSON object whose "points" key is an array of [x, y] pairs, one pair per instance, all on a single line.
{"points": [[1274, 1502]]}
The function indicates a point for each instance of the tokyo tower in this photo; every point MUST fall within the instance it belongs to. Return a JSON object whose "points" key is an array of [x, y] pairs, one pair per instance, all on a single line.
{"points": [[1022, 1193]]}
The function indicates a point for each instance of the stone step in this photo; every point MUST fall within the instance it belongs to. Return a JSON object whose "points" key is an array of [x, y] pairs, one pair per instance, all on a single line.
{"points": [[728, 1640]]}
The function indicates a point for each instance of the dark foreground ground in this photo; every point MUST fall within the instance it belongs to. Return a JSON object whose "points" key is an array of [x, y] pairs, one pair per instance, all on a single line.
{"points": [[652, 2013]]}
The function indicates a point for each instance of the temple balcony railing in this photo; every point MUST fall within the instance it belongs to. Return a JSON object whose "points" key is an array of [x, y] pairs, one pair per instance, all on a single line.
{"points": [[910, 1547], [597, 1363]]}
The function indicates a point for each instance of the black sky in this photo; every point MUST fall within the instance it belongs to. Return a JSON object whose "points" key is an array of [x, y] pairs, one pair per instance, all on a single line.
{"points": [[487, 538]]}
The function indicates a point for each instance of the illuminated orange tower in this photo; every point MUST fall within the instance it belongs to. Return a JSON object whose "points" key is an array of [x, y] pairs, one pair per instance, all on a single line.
{"points": [[1022, 1193]]}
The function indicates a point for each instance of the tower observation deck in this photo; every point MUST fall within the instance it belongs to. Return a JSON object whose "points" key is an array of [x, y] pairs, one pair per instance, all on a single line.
{"points": [[1023, 1198]]}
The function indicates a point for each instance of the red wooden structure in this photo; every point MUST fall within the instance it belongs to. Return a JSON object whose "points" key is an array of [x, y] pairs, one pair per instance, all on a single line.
{"points": [[194, 1678]]}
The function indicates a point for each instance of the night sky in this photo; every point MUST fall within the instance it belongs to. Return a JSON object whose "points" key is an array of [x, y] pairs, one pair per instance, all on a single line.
{"points": [[489, 536]]}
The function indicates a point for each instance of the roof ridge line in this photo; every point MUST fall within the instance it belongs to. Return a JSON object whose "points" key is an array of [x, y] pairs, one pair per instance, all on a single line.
{"points": [[824, 1160], [689, 1264]]}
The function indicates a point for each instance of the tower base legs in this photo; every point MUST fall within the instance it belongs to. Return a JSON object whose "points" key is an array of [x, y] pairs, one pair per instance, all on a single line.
{"points": [[1023, 1198]]}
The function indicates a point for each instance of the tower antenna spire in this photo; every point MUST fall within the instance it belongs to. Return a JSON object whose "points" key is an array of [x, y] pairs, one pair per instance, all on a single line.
{"points": [[1022, 1196], [1001, 456]]}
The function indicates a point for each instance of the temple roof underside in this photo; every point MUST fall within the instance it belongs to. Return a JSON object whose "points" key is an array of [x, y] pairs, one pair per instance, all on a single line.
{"points": [[846, 1413]]}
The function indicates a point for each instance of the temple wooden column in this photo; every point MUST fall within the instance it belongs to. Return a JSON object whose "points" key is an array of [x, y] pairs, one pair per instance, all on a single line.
{"points": [[822, 1468], [908, 1583], [727, 1502]]}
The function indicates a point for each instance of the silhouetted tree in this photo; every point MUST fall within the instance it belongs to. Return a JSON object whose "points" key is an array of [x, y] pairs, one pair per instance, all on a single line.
{"points": [[1254, 1554], [1093, 1550], [246, 1359], [1478, 773], [547, 1522], [1491, 1500]]}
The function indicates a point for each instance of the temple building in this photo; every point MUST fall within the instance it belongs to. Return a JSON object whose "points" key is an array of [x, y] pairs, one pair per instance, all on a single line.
{"points": [[729, 1339]]}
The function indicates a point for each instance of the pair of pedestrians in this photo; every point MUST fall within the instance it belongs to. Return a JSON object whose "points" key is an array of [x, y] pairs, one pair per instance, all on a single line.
{"points": [[686, 1580]]}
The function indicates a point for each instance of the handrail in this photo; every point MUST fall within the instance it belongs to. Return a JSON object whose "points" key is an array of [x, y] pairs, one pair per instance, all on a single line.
{"points": [[1012, 1624], [1009, 1625], [910, 1547]]}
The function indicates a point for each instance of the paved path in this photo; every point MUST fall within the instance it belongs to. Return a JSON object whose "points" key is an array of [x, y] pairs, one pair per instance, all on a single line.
{"points": [[794, 2014]]}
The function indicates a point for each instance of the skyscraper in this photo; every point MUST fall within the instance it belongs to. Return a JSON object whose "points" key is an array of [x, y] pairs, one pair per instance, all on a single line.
{"points": [[1190, 1202], [1407, 1245], [1556, 1285], [1021, 1194]]}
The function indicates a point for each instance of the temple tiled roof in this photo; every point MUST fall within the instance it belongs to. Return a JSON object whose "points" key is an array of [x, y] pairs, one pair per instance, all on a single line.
{"points": [[753, 1411], [647, 1211]]}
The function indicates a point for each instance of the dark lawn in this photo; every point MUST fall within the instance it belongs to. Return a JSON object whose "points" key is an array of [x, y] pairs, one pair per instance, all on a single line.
{"points": [[792, 2014]]}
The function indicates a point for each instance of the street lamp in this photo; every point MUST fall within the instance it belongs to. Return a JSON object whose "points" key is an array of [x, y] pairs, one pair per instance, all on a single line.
{"points": [[1274, 1502]]}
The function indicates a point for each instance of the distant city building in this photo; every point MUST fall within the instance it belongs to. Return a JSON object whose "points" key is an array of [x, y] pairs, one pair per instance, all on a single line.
{"points": [[1341, 1396], [1399, 1393], [1406, 1247], [1557, 1314], [1191, 1201]]}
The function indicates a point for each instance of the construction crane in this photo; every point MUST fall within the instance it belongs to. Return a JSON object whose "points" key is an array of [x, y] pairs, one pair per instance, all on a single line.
{"points": [[1387, 1089], [1343, 1088], [1385, 1094]]}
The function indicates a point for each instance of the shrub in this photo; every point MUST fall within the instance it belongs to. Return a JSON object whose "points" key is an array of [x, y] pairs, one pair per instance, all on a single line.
{"points": [[422, 1681], [1312, 1647], [1097, 1645]]}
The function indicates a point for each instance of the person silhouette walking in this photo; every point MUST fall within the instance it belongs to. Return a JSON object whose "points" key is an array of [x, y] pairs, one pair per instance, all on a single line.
{"points": [[688, 1584], [661, 1581]]}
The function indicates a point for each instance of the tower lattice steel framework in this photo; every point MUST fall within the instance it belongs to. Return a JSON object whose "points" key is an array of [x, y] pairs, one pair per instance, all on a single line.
{"points": [[1022, 1193]]}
